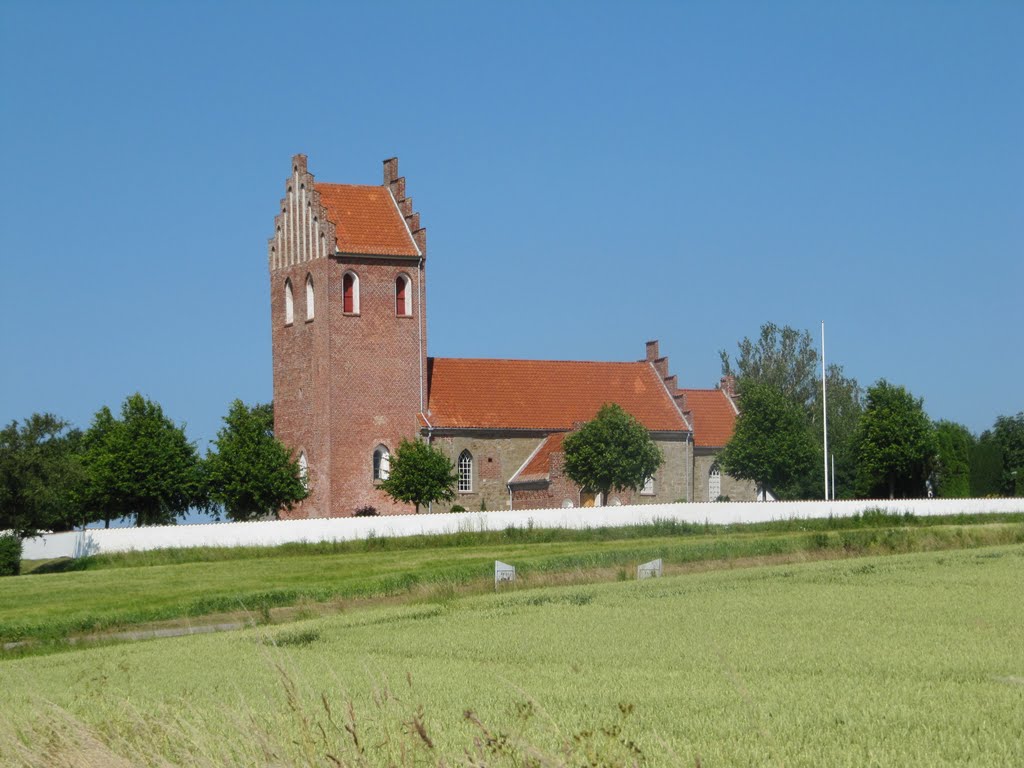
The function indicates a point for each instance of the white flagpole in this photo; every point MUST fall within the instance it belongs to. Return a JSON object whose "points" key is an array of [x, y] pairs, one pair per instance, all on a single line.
{"points": [[824, 404], [833, 476]]}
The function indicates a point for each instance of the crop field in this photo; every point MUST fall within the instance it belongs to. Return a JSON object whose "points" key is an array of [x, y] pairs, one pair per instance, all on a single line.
{"points": [[116, 592], [912, 659]]}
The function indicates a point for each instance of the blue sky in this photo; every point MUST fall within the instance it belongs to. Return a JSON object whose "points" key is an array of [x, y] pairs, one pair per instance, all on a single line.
{"points": [[590, 175]]}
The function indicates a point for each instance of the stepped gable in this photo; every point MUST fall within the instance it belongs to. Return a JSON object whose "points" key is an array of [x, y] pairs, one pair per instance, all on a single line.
{"points": [[544, 395]]}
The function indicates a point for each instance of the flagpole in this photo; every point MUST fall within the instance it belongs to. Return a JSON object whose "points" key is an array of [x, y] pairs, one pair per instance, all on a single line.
{"points": [[824, 406]]}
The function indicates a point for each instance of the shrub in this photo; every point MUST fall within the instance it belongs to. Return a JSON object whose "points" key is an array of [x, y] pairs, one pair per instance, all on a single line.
{"points": [[10, 555], [457, 508], [366, 511]]}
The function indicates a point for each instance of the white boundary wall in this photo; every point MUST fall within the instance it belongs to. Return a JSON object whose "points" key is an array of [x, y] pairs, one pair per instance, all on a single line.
{"points": [[272, 532]]}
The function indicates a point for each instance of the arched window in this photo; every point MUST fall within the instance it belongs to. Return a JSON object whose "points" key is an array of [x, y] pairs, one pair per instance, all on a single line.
{"points": [[648, 487], [350, 293], [714, 482], [566, 503], [381, 463], [403, 296], [465, 471], [303, 470], [309, 297], [289, 303]]}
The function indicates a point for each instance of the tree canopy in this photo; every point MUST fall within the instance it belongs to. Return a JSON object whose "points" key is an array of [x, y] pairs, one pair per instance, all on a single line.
{"points": [[954, 443], [611, 451], [1008, 432], [251, 474], [141, 465], [420, 474], [771, 444], [784, 358], [896, 445], [40, 475]]}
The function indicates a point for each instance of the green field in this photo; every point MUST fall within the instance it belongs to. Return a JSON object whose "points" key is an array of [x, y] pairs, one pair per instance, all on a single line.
{"points": [[122, 591], [900, 660]]}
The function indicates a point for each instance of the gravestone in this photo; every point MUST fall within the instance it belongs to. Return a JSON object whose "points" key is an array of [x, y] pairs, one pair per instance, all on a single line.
{"points": [[651, 570], [503, 572]]}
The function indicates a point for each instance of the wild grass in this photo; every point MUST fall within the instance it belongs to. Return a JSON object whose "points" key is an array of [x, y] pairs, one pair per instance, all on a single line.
{"points": [[910, 660], [47, 608]]}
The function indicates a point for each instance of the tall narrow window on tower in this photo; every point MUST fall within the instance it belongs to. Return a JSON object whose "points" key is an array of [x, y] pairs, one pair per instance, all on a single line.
{"points": [[309, 298], [714, 482], [381, 463], [350, 293], [465, 471], [289, 303], [403, 296], [303, 470]]}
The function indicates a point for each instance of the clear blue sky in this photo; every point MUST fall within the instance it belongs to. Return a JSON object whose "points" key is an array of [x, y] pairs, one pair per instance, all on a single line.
{"points": [[591, 176]]}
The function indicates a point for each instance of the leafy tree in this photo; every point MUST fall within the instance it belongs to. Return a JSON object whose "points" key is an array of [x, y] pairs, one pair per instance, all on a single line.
{"points": [[251, 474], [986, 466], [896, 444], [611, 451], [953, 460], [141, 465], [1009, 433], [420, 474], [784, 358], [40, 475], [771, 444], [845, 405]]}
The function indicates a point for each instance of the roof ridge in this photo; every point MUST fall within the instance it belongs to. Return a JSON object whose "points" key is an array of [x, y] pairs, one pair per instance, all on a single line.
{"points": [[533, 360]]}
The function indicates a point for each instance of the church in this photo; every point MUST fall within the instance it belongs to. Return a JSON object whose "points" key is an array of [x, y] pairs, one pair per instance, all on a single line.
{"points": [[352, 377]]}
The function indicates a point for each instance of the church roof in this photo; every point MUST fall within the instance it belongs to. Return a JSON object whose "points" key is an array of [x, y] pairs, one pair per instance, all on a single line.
{"points": [[538, 465], [712, 415], [544, 394], [367, 220]]}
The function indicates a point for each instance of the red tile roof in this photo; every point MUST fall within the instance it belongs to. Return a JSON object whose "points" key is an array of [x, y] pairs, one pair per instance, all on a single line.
{"points": [[712, 416], [544, 394], [367, 220], [538, 466]]}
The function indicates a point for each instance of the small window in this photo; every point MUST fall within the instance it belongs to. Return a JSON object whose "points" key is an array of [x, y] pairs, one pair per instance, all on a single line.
{"points": [[289, 303], [381, 463], [648, 489], [714, 482], [350, 294], [566, 503], [309, 297], [403, 296], [465, 472], [303, 470]]}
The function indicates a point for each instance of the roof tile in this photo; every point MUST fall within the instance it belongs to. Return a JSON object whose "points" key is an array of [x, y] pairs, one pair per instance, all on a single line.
{"points": [[712, 415], [367, 220]]}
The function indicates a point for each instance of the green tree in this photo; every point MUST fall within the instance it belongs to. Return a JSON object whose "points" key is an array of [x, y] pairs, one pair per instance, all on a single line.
{"points": [[420, 474], [251, 474], [986, 466], [954, 443], [784, 358], [896, 444], [1008, 432], [771, 444], [611, 451], [845, 405], [40, 474], [141, 465]]}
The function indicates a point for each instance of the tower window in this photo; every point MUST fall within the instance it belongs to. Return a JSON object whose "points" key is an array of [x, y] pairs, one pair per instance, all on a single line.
{"points": [[289, 303], [648, 488], [350, 293], [303, 470], [403, 296], [381, 463], [309, 297], [465, 472]]}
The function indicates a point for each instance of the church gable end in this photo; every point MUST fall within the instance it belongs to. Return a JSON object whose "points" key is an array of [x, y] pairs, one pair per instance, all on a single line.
{"points": [[302, 229]]}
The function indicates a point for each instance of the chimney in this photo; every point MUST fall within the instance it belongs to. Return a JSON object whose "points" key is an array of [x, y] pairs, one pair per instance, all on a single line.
{"points": [[652, 351], [390, 170], [728, 385]]}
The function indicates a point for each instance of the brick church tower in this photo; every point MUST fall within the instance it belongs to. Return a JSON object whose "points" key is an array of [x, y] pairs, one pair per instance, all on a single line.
{"points": [[348, 312]]}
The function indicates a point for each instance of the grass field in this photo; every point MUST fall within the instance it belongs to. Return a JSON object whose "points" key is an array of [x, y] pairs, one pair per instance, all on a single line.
{"points": [[122, 591], [901, 660]]}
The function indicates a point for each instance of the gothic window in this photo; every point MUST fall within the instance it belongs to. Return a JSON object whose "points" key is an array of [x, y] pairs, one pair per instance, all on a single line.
{"points": [[714, 482], [403, 296], [289, 303], [648, 489], [381, 463], [465, 471], [309, 297], [350, 293], [304, 470]]}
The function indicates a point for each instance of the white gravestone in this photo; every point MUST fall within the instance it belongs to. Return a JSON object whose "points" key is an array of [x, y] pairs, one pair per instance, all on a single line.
{"points": [[651, 570], [503, 572]]}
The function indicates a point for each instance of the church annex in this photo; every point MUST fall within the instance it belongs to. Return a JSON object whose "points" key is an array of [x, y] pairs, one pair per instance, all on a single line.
{"points": [[348, 296]]}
